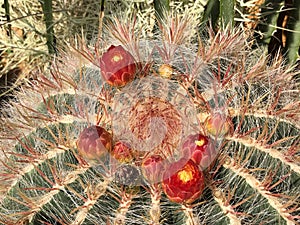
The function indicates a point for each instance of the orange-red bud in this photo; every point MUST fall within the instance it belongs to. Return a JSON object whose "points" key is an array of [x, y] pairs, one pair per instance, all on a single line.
{"points": [[93, 143], [117, 66], [184, 185]]}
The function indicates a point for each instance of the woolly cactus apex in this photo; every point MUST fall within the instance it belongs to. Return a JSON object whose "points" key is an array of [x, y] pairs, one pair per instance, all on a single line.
{"points": [[253, 177]]}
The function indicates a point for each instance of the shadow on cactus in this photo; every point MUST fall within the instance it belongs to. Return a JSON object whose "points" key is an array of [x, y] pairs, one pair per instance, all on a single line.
{"points": [[165, 130]]}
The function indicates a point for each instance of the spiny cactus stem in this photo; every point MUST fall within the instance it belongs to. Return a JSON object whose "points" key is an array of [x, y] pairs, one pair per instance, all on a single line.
{"points": [[220, 198], [36, 204], [155, 212], [259, 186], [30, 167], [253, 143], [125, 203], [93, 193], [262, 114], [190, 218]]}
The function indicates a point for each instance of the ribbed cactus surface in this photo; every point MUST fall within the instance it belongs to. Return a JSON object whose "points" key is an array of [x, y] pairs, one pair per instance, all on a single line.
{"points": [[172, 129]]}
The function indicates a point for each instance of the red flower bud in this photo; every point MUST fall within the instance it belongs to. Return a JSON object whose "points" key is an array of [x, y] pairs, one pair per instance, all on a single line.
{"points": [[218, 125], [184, 184], [122, 152], [93, 143], [117, 66], [152, 168], [200, 149]]}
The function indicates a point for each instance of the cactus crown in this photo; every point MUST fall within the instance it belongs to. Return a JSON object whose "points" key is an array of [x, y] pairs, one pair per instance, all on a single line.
{"points": [[245, 169]]}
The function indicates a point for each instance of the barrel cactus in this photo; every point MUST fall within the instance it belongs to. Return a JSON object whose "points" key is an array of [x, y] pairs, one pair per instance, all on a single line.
{"points": [[169, 129]]}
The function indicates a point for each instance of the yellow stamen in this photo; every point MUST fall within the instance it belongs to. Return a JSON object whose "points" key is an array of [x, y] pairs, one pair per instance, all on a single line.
{"points": [[117, 58], [200, 142], [185, 175]]}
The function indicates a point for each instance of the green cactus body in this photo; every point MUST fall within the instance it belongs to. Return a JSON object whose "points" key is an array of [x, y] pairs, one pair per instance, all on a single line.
{"points": [[252, 178]]}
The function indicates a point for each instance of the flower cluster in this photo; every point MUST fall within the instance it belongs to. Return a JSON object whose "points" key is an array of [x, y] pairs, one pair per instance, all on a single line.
{"points": [[182, 176]]}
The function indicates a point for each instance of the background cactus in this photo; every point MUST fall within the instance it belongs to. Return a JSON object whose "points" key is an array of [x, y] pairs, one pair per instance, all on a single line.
{"points": [[254, 179]]}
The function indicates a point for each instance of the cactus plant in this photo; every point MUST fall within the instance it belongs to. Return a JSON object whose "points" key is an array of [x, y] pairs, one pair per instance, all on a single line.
{"points": [[252, 168]]}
